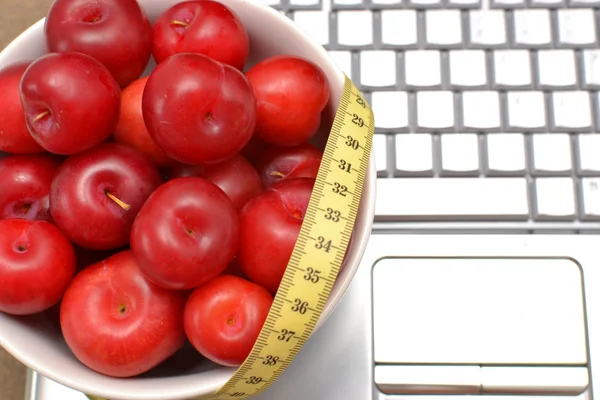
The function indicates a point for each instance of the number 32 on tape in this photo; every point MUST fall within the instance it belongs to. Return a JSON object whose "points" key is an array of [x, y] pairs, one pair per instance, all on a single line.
{"points": [[317, 255]]}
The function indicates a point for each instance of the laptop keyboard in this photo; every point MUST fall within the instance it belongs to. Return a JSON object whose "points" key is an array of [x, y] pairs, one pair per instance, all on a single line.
{"points": [[485, 110]]}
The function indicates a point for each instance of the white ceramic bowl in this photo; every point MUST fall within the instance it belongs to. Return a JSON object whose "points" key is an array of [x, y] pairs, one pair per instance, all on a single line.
{"points": [[39, 345]]}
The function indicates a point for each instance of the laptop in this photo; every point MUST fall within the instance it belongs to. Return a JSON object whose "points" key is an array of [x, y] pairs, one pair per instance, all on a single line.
{"points": [[482, 275]]}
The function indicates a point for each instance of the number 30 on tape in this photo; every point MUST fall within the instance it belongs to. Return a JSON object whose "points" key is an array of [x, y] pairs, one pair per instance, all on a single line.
{"points": [[317, 255]]}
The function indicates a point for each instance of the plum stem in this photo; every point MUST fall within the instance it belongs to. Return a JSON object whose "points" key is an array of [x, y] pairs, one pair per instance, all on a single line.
{"points": [[277, 174], [179, 23], [189, 231], [40, 116], [22, 208], [121, 203]]}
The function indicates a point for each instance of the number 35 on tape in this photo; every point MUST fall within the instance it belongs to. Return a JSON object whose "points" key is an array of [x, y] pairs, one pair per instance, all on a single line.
{"points": [[317, 255]]}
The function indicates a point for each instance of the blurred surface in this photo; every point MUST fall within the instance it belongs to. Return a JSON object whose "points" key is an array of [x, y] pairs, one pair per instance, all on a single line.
{"points": [[18, 15], [15, 17], [12, 377]]}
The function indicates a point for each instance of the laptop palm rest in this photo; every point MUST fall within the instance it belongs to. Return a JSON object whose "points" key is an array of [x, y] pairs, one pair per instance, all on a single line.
{"points": [[479, 326]]}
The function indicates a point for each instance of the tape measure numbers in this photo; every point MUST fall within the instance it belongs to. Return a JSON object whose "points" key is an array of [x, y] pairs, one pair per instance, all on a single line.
{"points": [[318, 253]]}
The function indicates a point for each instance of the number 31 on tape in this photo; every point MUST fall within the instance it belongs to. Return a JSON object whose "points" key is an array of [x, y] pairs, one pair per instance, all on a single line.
{"points": [[317, 255]]}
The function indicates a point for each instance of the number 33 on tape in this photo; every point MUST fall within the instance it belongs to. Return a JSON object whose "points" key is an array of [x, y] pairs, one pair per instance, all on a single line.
{"points": [[317, 255]]}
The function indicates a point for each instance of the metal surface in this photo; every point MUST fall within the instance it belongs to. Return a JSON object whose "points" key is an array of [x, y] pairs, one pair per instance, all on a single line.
{"points": [[338, 362]]}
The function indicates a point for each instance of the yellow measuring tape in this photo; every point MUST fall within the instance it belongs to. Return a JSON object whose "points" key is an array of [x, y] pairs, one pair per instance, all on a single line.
{"points": [[318, 253]]}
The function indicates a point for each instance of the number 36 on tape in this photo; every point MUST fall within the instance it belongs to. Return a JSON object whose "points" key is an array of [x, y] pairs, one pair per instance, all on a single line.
{"points": [[317, 255]]}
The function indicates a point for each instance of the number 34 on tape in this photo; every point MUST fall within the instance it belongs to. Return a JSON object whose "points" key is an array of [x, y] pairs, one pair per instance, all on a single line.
{"points": [[317, 255]]}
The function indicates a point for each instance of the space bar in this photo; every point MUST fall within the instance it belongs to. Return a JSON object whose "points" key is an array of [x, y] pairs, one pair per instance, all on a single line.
{"points": [[451, 199]]}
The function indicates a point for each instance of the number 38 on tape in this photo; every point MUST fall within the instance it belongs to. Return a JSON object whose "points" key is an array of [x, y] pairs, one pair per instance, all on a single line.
{"points": [[317, 255]]}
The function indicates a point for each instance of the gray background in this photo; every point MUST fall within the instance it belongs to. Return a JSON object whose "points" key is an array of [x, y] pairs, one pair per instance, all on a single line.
{"points": [[15, 17]]}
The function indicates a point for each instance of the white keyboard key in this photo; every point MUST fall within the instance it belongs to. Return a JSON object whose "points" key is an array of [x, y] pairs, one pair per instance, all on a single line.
{"points": [[508, 3], [380, 146], [557, 69], [435, 110], [532, 27], [343, 59], [481, 110], [506, 152], [465, 3], [443, 28], [315, 24], [576, 27], [552, 152], [390, 109], [355, 27], [584, 3], [422, 68], [378, 68], [304, 2], [387, 2], [512, 68], [424, 3], [487, 28], [414, 152], [590, 188], [572, 111], [555, 197], [452, 199], [526, 110], [346, 2], [547, 3], [460, 152], [399, 27], [467, 68], [589, 149], [591, 68]]}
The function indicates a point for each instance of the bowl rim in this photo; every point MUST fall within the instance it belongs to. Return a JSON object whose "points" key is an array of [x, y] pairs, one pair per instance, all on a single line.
{"points": [[13, 44], [367, 205]]}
